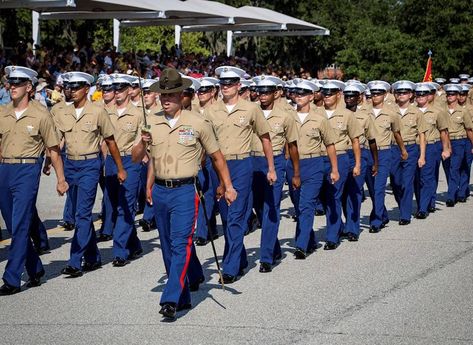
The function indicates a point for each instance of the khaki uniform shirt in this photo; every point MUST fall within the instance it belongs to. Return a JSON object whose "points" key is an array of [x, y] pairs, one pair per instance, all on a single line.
{"points": [[234, 130], [412, 123], [127, 127], [137, 104], [366, 122], [386, 123], [345, 127], [441, 100], [83, 135], [28, 136], [155, 109], [437, 120], [282, 103], [315, 133], [460, 120], [283, 129], [177, 151]]}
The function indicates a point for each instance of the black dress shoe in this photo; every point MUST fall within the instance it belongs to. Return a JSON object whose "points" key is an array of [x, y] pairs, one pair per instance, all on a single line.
{"points": [[168, 311], [7, 289], [421, 215], [71, 271], [450, 203], [384, 223], [145, 225], [68, 226], [136, 254], [194, 286], [432, 209], [265, 267], [200, 241], [344, 235], [42, 251], [104, 238], [300, 254], [320, 212], [184, 307], [374, 229], [404, 222], [277, 258], [36, 280], [228, 279], [119, 262], [330, 246], [461, 200], [352, 237], [89, 267]]}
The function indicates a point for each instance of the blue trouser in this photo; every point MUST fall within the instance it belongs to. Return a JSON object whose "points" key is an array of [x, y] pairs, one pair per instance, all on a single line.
{"points": [[176, 212], [67, 216], [333, 198], [18, 191], [141, 199], [312, 171], [379, 214], [395, 173], [83, 177], [294, 194], [466, 171], [208, 189], [233, 216], [148, 211], [352, 193], [260, 170], [452, 166], [109, 199], [270, 247], [125, 239], [38, 231], [433, 199], [369, 179], [426, 177], [251, 201], [403, 177]]}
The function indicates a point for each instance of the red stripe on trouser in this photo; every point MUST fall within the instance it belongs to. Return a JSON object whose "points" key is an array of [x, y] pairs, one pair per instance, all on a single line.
{"points": [[189, 242]]}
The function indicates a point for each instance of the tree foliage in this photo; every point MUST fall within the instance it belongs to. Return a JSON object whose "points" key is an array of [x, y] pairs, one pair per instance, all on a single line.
{"points": [[370, 39]]}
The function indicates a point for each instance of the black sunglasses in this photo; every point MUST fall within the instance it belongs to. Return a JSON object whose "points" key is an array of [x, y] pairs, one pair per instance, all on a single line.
{"points": [[120, 87], [75, 87]]}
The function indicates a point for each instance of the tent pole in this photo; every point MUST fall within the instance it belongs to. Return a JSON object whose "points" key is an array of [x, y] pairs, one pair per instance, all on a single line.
{"points": [[229, 42], [116, 34], [177, 35], [36, 35]]}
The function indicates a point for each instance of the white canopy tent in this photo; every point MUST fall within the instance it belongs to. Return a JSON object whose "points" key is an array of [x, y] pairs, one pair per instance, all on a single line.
{"points": [[277, 24], [186, 16]]}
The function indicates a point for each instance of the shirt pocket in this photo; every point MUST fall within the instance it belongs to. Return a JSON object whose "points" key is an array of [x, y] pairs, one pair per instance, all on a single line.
{"points": [[458, 120], [89, 127], [129, 129], [32, 131], [4, 131], [385, 125], [191, 142], [314, 134]]}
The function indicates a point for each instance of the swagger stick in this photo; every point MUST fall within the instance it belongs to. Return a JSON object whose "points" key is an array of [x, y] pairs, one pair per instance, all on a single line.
{"points": [[146, 127], [200, 193]]}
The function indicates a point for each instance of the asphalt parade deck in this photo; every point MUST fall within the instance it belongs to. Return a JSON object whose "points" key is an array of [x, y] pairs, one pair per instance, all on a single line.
{"points": [[405, 285]]}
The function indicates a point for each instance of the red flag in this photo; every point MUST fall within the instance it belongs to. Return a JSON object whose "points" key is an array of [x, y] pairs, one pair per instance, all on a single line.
{"points": [[428, 69]]}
